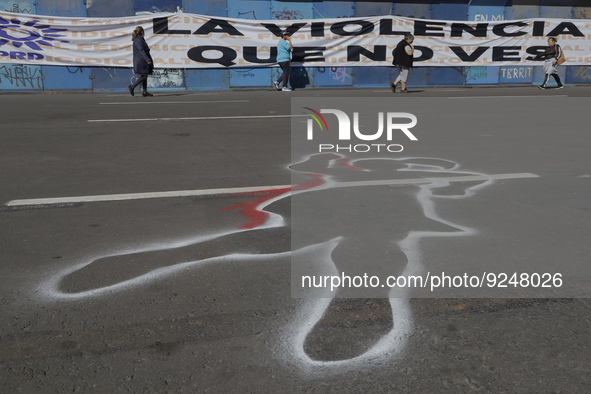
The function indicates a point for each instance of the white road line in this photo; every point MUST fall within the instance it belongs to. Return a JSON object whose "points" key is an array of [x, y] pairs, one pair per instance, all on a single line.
{"points": [[477, 97], [386, 90], [238, 190], [195, 118], [174, 102], [167, 93], [423, 181]]}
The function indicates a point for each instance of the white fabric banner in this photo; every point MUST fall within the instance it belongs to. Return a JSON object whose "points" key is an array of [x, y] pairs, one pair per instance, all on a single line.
{"points": [[197, 41]]}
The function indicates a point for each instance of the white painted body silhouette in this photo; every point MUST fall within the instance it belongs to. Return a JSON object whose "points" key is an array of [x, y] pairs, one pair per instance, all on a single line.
{"points": [[312, 309]]}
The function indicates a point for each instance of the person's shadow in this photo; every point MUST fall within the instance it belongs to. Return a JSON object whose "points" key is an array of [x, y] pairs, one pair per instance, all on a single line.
{"points": [[298, 77]]}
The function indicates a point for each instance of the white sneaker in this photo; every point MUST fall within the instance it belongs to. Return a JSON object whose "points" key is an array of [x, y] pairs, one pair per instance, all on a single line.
{"points": [[276, 84], [286, 90]]}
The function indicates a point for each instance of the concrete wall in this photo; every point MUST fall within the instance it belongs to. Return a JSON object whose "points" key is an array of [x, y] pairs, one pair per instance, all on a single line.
{"points": [[100, 79]]}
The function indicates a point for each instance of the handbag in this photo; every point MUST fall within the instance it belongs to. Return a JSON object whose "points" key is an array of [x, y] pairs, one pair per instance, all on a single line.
{"points": [[561, 59]]}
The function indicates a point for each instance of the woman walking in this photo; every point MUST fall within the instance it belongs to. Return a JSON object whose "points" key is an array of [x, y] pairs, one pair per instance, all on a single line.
{"points": [[284, 49], [403, 60], [142, 61], [552, 59]]}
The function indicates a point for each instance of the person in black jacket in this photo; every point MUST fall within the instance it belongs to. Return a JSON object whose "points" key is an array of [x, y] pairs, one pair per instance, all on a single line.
{"points": [[142, 61], [550, 57], [403, 61]]}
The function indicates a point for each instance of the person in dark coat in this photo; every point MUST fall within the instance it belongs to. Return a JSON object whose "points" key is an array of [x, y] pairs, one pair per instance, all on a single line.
{"points": [[142, 61], [403, 59]]}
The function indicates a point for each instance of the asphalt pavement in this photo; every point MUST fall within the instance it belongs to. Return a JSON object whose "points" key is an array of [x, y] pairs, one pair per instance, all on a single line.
{"points": [[146, 244]]}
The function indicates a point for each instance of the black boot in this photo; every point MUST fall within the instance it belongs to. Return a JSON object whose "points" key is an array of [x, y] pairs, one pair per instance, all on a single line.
{"points": [[131, 90], [147, 94]]}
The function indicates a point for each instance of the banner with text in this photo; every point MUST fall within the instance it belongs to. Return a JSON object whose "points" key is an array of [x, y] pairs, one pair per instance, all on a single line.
{"points": [[197, 41]]}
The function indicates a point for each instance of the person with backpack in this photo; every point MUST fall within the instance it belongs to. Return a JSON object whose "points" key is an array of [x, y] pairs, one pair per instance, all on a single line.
{"points": [[553, 57], [403, 59]]}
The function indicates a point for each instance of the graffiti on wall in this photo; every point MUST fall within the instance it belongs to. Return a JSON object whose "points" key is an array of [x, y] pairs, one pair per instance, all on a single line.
{"points": [[165, 9], [75, 70], [517, 72], [582, 74], [16, 76], [286, 14], [488, 17], [247, 15], [243, 73], [339, 74], [482, 75], [166, 78], [23, 8], [336, 73]]}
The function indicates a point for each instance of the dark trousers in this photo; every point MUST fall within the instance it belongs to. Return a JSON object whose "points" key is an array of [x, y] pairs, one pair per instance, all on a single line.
{"points": [[556, 78], [285, 67], [143, 80]]}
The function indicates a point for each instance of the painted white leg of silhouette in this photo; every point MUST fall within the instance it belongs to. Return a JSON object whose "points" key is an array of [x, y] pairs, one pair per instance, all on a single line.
{"points": [[313, 308]]}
